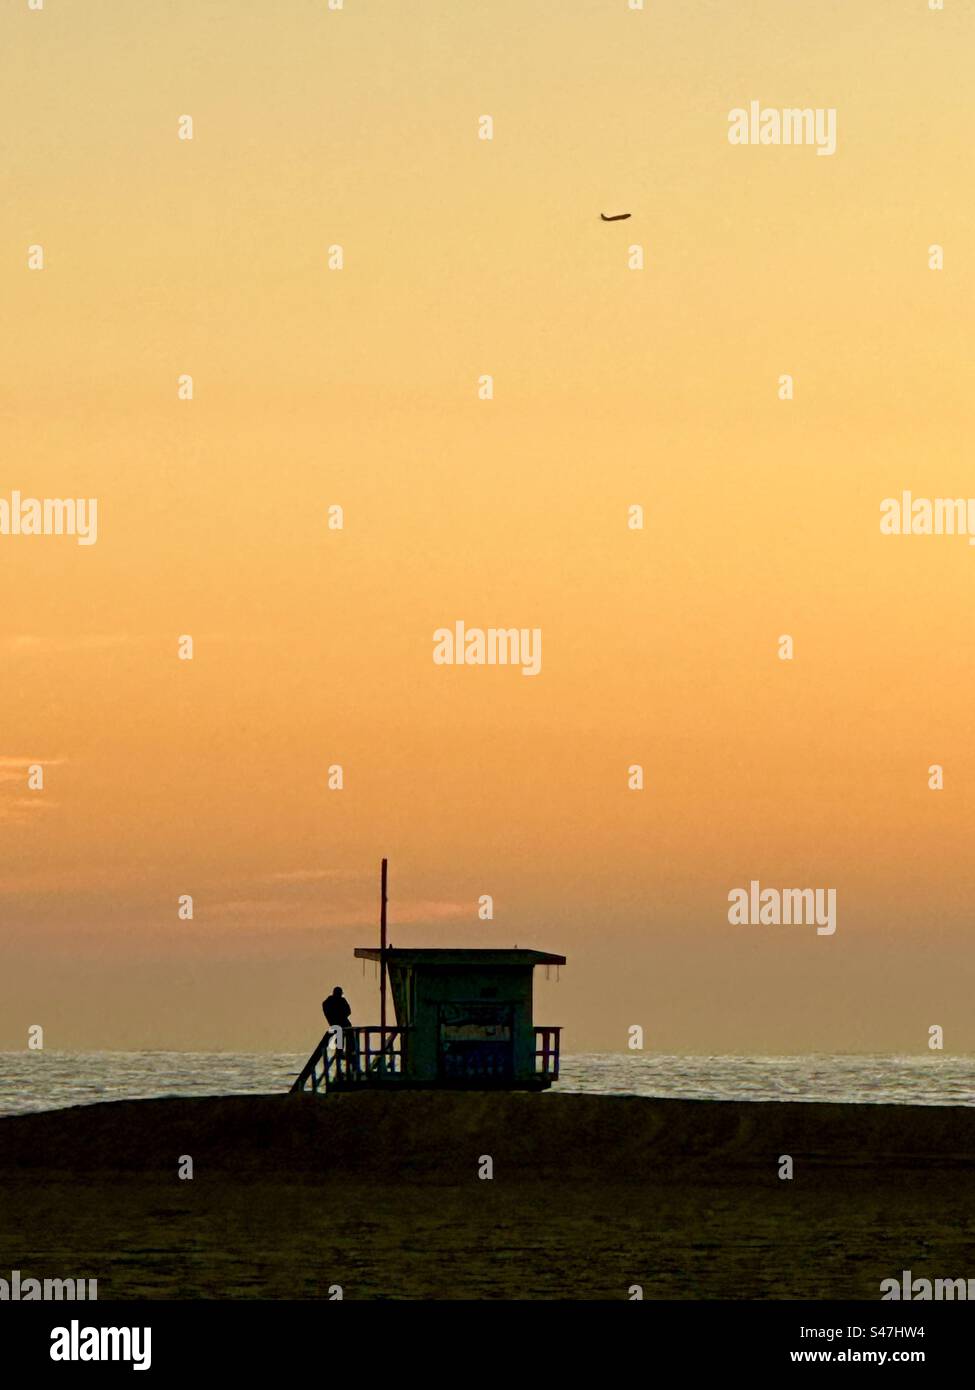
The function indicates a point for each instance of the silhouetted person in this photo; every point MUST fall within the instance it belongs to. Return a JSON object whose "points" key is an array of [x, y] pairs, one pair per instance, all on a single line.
{"points": [[338, 1014]]}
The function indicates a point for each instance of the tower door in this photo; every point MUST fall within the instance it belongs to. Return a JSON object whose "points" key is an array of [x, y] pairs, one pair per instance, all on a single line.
{"points": [[476, 1042]]}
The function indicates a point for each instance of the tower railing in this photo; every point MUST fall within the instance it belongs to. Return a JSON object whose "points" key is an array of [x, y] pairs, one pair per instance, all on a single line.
{"points": [[547, 1052], [353, 1056]]}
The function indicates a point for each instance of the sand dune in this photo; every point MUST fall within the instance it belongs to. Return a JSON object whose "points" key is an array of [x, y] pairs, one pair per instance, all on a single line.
{"points": [[590, 1195], [440, 1134]]}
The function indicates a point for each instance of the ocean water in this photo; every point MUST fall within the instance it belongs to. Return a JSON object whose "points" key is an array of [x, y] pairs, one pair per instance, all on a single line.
{"points": [[52, 1080]]}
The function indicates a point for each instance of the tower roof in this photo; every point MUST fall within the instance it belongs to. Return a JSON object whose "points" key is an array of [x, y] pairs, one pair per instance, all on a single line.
{"points": [[465, 956]]}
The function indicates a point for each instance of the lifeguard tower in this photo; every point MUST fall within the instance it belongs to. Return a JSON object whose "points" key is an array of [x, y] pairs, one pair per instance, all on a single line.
{"points": [[463, 1020]]}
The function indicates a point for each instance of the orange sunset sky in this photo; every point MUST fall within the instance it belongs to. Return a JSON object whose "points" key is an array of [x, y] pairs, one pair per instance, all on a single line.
{"points": [[612, 387]]}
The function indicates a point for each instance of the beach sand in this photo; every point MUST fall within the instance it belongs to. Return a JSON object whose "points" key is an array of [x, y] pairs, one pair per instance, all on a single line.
{"points": [[590, 1195]]}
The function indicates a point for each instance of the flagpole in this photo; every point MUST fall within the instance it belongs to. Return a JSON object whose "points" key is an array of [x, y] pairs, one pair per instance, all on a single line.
{"points": [[382, 956]]}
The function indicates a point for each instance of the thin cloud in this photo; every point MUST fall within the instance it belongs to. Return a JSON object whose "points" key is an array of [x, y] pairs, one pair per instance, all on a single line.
{"points": [[29, 642], [406, 913], [311, 876], [333, 916], [434, 911], [12, 760], [245, 907], [22, 810], [14, 769]]}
